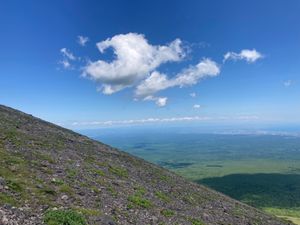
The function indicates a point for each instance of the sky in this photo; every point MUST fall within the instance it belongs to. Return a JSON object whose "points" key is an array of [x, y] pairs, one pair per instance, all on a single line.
{"points": [[90, 64]]}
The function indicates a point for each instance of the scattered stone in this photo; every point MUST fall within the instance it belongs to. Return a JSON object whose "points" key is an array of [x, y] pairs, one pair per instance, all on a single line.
{"points": [[40, 186], [64, 197]]}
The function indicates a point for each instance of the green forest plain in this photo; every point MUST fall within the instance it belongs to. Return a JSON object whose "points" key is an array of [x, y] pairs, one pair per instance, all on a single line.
{"points": [[260, 170]]}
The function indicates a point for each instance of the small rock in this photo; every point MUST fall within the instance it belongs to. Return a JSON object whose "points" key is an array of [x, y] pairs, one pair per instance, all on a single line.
{"points": [[81, 193], [107, 220], [2, 181], [4, 220], [39, 186], [64, 197]]}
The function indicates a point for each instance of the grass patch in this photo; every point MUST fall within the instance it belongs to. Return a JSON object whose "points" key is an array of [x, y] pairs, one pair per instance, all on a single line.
{"points": [[48, 191], [89, 212], [292, 212], [71, 173], [64, 217], [66, 189], [99, 172], [162, 196], [14, 186], [112, 191], [196, 221], [7, 199], [139, 201], [120, 172], [57, 181], [167, 212]]}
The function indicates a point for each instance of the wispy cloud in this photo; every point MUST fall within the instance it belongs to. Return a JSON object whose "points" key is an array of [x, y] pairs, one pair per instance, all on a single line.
{"points": [[67, 57], [141, 121], [249, 55], [159, 101], [196, 106], [67, 54], [193, 94], [65, 63], [82, 40], [287, 83], [162, 120]]}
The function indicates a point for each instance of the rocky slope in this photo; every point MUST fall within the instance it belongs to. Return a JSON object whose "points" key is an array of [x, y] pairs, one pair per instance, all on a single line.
{"points": [[51, 175]]}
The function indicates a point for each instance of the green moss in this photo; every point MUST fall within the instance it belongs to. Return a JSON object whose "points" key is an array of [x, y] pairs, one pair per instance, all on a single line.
{"points": [[167, 213], [64, 217]]}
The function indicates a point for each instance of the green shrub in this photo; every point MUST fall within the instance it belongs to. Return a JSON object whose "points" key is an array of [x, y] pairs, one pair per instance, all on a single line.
{"points": [[64, 217]]}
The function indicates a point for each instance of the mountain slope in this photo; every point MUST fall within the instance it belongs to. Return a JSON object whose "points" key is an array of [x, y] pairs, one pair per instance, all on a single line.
{"points": [[48, 172]]}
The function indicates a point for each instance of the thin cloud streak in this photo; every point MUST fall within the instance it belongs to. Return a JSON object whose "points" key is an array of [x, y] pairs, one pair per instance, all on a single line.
{"points": [[162, 120]]}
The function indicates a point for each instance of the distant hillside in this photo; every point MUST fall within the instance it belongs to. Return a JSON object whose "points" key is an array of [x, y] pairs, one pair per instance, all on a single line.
{"points": [[51, 175]]}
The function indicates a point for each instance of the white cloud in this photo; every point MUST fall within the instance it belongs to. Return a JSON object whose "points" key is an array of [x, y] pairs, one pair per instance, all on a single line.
{"points": [[142, 121], [287, 83], [135, 59], [193, 94], [82, 40], [157, 82], [190, 76], [165, 120], [65, 63], [159, 101], [67, 54], [196, 106], [247, 117], [136, 63], [249, 55]]}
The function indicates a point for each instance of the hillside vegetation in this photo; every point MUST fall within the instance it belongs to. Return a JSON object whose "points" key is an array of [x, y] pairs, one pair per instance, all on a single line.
{"points": [[50, 175]]}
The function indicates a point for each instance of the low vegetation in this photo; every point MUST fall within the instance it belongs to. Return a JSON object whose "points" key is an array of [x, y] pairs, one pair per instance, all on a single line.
{"points": [[54, 176], [64, 217]]}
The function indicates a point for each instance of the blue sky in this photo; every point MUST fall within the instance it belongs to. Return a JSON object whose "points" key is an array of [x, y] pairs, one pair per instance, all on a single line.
{"points": [[175, 70]]}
